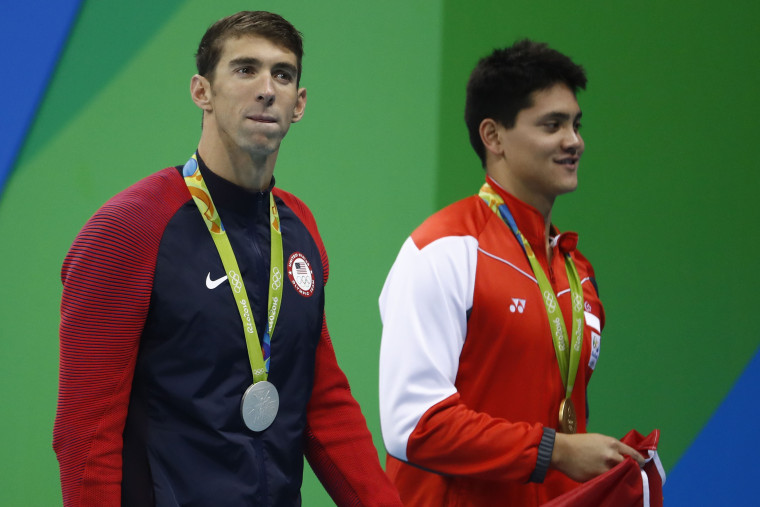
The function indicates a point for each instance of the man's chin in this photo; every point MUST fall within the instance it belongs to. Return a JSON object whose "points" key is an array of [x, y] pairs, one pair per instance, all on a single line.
{"points": [[568, 188], [263, 149], [261, 143]]}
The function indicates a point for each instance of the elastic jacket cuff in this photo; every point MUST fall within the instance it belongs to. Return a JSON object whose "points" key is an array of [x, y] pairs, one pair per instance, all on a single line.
{"points": [[545, 449]]}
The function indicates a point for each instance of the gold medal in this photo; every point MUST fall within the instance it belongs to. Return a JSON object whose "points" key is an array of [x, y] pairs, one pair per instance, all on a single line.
{"points": [[567, 420]]}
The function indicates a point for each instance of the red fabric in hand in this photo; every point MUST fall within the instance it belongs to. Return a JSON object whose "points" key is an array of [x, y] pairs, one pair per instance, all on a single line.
{"points": [[626, 484]]}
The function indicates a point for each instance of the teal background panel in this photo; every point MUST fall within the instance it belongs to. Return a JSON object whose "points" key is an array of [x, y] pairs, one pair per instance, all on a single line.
{"points": [[32, 35], [109, 34]]}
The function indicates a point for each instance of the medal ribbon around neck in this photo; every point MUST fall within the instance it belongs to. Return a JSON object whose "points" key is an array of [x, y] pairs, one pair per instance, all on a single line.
{"points": [[568, 357], [258, 358]]}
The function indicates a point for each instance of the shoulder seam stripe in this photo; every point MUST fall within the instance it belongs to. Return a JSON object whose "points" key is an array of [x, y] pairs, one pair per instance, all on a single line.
{"points": [[568, 290], [507, 263], [496, 257]]}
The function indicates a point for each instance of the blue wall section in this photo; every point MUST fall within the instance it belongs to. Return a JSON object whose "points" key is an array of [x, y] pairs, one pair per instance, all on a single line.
{"points": [[721, 466], [32, 35]]}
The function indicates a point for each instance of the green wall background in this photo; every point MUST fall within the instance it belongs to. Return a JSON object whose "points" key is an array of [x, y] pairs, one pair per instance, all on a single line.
{"points": [[665, 207]]}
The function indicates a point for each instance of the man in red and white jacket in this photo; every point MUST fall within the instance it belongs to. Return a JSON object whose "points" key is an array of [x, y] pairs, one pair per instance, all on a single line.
{"points": [[471, 386]]}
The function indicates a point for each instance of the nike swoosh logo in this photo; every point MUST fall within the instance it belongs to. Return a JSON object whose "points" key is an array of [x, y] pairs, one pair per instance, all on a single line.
{"points": [[213, 284]]}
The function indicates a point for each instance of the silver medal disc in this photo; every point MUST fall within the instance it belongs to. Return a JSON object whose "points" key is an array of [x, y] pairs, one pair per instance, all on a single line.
{"points": [[259, 406]]}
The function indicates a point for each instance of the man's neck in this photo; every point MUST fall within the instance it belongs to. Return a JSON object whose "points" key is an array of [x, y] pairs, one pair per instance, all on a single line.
{"points": [[540, 203], [253, 173], [544, 207]]}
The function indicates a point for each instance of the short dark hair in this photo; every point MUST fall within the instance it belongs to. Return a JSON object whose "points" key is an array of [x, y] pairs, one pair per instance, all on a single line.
{"points": [[502, 83], [264, 24]]}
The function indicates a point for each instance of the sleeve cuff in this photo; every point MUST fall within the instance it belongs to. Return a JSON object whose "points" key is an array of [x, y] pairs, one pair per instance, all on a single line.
{"points": [[545, 449]]}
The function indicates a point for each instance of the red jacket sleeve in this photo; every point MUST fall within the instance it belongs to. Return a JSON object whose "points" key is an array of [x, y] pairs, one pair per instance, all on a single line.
{"points": [[107, 278], [453, 439], [339, 446]]}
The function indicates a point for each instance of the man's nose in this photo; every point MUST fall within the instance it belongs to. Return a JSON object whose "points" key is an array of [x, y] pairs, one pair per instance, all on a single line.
{"points": [[266, 90], [573, 142]]}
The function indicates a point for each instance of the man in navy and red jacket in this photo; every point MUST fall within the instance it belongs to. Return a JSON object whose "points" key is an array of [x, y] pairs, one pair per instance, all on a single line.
{"points": [[153, 356]]}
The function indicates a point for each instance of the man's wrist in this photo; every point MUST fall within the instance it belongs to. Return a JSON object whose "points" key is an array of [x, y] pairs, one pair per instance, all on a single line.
{"points": [[545, 450]]}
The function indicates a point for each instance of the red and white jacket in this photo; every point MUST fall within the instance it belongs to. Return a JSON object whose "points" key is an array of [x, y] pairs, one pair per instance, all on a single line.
{"points": [[469, 381]]}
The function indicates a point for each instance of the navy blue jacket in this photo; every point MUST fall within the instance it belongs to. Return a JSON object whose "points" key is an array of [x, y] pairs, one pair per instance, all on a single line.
{"points": [[184, 425], [154, 362]]}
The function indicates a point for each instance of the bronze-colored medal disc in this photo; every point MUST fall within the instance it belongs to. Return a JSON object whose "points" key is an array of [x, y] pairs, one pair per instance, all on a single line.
{"points": [[568, 423]]}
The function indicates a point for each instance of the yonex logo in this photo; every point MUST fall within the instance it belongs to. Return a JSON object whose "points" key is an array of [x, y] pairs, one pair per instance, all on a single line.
{"points": [[518, 305]]}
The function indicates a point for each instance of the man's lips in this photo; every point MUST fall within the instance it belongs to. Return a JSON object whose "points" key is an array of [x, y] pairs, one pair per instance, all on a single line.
{"points": [[262, 118], [569, 161]]}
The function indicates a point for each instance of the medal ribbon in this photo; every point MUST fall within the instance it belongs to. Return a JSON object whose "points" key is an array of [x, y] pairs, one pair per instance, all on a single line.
{"points": [[258, 358], [568, 357]]}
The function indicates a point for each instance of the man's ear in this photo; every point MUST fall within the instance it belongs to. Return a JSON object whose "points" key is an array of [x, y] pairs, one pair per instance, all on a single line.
{"points": [[300, 105], [489, 135], [200, 92]]}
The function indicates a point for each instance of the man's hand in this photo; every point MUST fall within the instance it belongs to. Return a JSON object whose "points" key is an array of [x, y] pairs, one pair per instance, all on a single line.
{"points": [[583, 456]]}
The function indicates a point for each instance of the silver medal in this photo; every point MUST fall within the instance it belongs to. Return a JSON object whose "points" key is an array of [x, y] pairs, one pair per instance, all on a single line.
{"points": [[259, 406]]}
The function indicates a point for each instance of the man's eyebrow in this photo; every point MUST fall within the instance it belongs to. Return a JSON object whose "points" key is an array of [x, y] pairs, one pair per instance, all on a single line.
{"points": [[286, 66], [244, 60], [255, 62], [559, 116]]}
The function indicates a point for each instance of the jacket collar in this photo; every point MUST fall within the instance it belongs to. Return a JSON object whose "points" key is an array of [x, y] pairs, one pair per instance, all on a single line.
{"points": [[531, 223], [228, 195]]}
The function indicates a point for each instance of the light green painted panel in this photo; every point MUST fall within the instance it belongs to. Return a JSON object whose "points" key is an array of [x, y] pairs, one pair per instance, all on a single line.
{"points": [[362, 159], [120, 29]]}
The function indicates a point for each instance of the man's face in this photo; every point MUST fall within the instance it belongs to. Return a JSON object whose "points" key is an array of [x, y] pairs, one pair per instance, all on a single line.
{"points": [[544, 147], [254, 97]]}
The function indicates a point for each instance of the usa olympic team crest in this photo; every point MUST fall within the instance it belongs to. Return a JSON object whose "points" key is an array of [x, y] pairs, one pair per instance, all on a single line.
{"points": [[300, 274]]}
